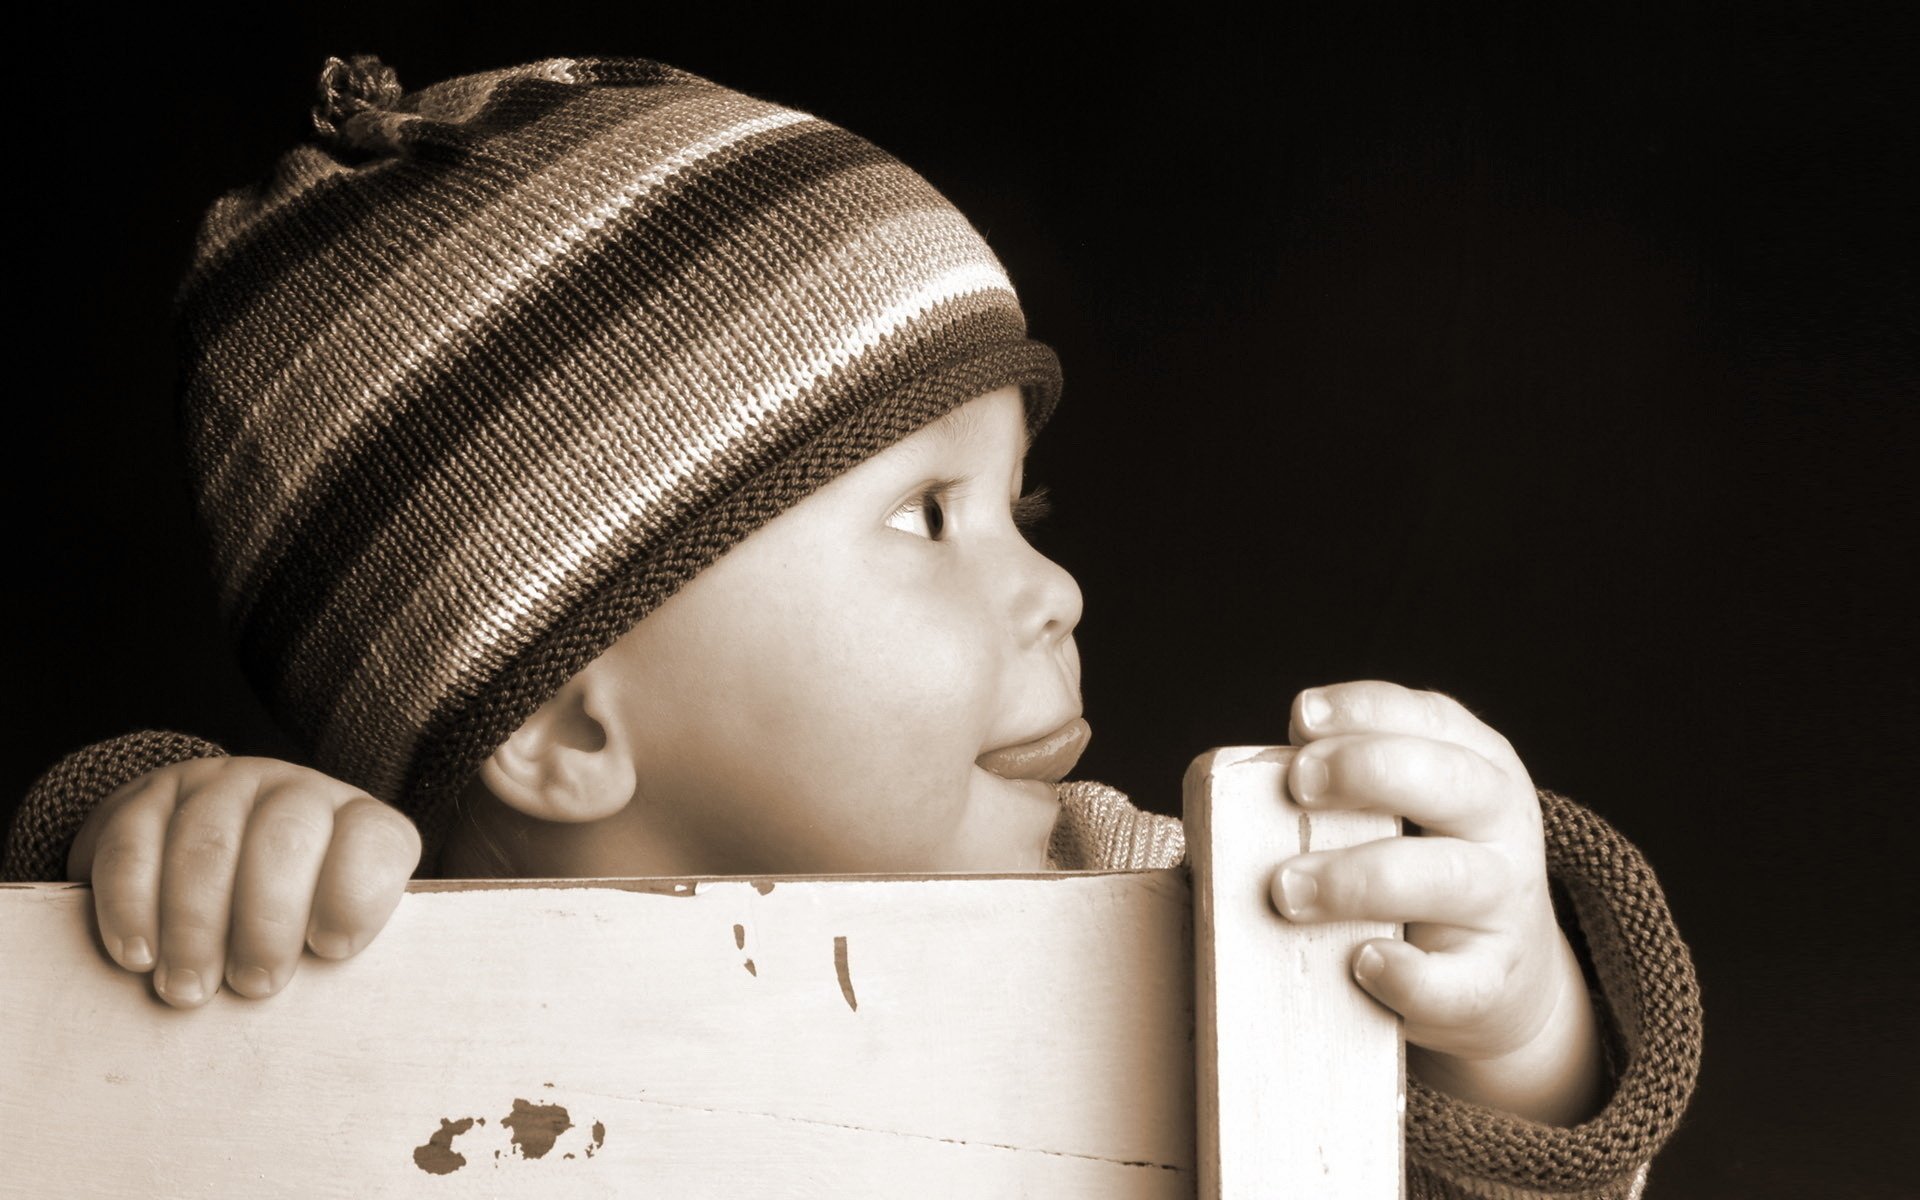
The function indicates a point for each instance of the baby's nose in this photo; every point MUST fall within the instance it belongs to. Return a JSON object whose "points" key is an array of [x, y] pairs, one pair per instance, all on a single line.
{"points": [[1048, 602]]}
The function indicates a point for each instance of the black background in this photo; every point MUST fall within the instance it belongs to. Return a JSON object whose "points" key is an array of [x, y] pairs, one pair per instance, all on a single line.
{"points": [[1557, 361]]}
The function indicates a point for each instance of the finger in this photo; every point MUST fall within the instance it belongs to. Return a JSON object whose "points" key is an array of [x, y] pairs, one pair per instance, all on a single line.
{"points": [[1375, 706], [196, 889], [1444, 787], [1429, 880], [279, 867], [374, 852], [124, 866], [1450, 1000]]}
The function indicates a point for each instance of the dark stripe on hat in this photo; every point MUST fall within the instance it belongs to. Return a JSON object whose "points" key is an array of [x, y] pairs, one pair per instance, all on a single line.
{"points": [[399, 208], [642, 265], [993, 354]]}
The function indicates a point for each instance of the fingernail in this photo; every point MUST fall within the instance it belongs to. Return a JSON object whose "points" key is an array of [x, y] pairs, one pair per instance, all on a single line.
{"points": [[130, 952], [1315, 711], [1367, 964], [1297, 891], [328, 944], [178, 983], [1309, 778], [251, 981]]}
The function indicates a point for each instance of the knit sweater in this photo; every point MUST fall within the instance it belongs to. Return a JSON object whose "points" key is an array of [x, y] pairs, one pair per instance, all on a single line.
{"points": [[1612, 909]]}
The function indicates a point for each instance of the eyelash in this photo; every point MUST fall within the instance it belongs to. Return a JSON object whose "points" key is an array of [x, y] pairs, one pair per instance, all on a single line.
{"points": [[1027, 510]]}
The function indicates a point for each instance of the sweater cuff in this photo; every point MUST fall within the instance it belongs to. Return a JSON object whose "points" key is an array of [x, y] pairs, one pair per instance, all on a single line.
{"points": [[58, 803], [1650, 1000]]}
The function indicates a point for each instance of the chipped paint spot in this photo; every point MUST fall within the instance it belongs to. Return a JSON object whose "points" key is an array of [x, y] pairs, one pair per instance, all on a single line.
{"points": [[116, 1077], [840, 968], [1306, 834], [739, 937], [546, 1085], [438, 1156], [750, 969], [762, 886], [568, 1154], [599, 1138], [535, 1126]]}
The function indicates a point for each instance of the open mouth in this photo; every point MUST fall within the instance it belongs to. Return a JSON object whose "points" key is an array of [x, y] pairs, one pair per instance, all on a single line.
{"points": [[1047, 758]]}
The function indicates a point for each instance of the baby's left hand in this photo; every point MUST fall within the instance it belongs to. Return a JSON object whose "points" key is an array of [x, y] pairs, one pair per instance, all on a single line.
{"points": [[1485, 980]]}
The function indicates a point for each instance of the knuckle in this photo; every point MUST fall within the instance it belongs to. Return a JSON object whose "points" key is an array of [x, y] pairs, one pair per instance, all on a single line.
{"points": [[122, 861], [1376, 763], [286, 836], [1452, 875], [193, 931], [376, 830], [358, 894], [1348, 886], [1446, 709], [276, 922], [203, 847]]}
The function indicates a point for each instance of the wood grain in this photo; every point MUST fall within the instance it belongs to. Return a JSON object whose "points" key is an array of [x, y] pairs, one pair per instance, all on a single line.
{"points": [[1300, 1075]]}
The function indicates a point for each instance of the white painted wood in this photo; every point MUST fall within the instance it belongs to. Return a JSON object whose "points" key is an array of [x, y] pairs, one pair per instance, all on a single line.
{"points": [[855, 1036], [1300, 1075], [992, 1036]]}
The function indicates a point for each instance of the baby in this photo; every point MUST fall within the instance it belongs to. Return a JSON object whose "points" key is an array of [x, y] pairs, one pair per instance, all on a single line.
{"points": [[608, 473]]}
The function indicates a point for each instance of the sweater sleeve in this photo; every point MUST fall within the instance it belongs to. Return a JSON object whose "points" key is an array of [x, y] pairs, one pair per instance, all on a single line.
{"points": [[1649, 1004], [1647, 999], [59, 801]]}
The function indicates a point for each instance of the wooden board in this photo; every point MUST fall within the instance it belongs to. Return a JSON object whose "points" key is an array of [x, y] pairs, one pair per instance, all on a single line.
{"points": [[854, 1037], [1301, 1077]]}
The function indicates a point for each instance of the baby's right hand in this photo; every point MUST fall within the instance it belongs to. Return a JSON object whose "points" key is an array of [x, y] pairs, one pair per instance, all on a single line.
{"points": [[270, 854]]}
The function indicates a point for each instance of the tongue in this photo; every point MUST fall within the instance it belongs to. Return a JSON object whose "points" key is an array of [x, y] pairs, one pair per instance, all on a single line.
{"points": [[1048, 758]]}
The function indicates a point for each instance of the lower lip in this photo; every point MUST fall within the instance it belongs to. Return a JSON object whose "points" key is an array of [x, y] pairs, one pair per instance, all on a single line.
{"points": [[1042, 791], [1039, 789]]}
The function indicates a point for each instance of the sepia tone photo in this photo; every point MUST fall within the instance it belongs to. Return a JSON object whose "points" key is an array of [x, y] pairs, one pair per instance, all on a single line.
{"points": [[900, 602]]}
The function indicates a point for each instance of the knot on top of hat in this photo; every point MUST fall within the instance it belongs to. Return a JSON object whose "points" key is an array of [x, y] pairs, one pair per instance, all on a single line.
{"points": [[348, 87]]}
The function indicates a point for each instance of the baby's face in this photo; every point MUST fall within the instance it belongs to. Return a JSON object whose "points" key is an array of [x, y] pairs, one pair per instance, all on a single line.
{"points": [[818, 699]]}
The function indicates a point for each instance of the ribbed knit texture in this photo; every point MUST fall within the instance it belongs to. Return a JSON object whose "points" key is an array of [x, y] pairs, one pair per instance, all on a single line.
{"points": [[59, 801], [1100, 830], [1649, 1000], [478, 379]]}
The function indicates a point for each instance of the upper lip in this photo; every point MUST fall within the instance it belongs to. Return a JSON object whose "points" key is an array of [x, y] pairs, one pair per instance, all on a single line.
{"points": [[1048, 757]]}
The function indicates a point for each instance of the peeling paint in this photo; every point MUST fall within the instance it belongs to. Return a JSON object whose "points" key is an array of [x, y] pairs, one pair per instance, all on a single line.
{"points": [[840, 968], [739, 937], [438, 1156], [750, 969], [599, 1138], [535, 1126]]}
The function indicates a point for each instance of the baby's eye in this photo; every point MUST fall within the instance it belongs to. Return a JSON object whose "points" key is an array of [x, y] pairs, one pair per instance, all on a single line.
{"points": [[925, 515]]}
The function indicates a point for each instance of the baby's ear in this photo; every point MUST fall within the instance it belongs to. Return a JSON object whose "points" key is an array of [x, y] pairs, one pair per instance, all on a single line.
{"points": [[571, 760]]}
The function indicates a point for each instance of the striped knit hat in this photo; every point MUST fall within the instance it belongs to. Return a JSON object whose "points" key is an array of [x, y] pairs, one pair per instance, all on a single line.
{"points": [[477, 380]]}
